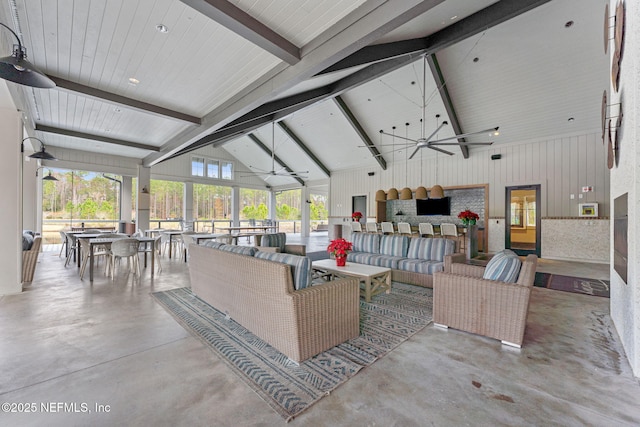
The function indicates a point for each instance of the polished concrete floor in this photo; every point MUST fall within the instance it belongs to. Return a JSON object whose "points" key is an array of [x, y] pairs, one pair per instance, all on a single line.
{"points": [[109, 346]]}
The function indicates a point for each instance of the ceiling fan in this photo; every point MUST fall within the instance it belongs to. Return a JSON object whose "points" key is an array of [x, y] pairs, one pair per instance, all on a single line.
{"points": [[427, 142], [284, 171]]}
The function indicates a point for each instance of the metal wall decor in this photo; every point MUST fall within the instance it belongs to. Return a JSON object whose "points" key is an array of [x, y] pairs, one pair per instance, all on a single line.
{"points": [[618, 37]]}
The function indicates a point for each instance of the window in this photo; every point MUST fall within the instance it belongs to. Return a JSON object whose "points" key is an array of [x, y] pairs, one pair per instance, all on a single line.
{"points": [[211, 168], [197, 166], [227, 170]]}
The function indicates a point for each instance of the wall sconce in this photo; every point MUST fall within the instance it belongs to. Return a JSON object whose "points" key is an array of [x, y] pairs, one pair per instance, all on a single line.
{"points": [[48, 177], [17, 69], [42, 154]]}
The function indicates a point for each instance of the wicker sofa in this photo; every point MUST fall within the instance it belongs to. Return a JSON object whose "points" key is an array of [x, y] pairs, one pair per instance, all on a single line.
{"points": [[260, 295], [463, 300], [411, 260], [30, 251]]}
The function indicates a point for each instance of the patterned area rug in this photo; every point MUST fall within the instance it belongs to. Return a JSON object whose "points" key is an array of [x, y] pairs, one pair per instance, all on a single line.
{"points": [[288, 388], [578, 285]]}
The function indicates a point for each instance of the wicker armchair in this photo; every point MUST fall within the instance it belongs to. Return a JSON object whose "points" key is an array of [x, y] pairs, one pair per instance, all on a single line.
{"points": [[30, 259], [463, 300]]}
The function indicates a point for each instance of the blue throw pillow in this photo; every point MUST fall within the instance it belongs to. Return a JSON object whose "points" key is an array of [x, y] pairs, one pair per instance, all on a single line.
{"points": [[503, 267], [27, 241]]}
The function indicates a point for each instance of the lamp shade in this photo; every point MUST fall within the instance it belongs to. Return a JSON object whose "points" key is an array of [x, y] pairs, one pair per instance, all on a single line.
{"points": [[43, 155], [17, 69], [381, 196], [437, 192], [421, 193], [49, 177], [392, 194], [406, 194]]}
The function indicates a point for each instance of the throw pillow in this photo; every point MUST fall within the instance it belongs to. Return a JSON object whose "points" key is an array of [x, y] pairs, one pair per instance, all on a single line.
{"points": [[503, 267]]}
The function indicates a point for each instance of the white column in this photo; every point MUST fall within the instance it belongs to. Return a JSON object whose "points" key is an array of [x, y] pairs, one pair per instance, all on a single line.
{"points": [[31, 193], [11, 212], [125, 193], [143, 199], [306, 212], [235, 205], [187, 203], [271, 205]]}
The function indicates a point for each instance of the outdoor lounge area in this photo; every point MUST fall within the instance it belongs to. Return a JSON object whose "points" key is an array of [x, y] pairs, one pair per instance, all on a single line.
{"points": [[571, 365], [327, 213]]}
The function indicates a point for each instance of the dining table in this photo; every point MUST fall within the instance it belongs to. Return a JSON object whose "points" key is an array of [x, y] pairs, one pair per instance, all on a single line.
{"points": [[107, 241]]}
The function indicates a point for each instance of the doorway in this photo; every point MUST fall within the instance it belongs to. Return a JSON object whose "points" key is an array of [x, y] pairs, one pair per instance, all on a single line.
{"points": [[359, 204], [522, 225]]}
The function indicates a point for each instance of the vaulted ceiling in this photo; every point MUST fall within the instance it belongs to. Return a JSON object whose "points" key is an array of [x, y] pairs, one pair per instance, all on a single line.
{"points": [[316, 80]]}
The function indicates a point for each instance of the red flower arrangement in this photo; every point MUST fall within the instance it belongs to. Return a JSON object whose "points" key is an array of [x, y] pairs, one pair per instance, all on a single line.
{"points": [[356, 216], [468, 217], [339, 247]]}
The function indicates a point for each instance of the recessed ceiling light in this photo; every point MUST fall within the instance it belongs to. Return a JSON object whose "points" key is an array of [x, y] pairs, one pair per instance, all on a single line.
{"points": [[568, 24], [476, 59], [117, 110], [162, 28], [133, 81]]}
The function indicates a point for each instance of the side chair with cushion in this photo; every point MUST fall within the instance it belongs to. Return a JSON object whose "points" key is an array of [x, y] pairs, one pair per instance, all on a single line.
{"points": [[450, 231], [492, 301], [277, 242], [404, 228], [356, 227]]}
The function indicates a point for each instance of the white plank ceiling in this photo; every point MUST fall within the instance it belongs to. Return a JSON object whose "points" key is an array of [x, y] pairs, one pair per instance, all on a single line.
{"points": [[531, 75]]}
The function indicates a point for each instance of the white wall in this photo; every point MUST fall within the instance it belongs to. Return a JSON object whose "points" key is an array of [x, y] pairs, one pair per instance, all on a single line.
{"points": [[11, 212], [625, 297]]}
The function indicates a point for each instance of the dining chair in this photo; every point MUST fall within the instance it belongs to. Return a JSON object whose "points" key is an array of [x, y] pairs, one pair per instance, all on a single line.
{"points": [[404, 228], [100, 251], [387, 228], [426, 229], [356, 227], [125, 248], [371, 227], [72, 248], [187, 239], [63, 238], [450, 231]]}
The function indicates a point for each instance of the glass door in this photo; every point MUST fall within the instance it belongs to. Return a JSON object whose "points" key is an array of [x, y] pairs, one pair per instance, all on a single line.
{"points": [[522, 234]]}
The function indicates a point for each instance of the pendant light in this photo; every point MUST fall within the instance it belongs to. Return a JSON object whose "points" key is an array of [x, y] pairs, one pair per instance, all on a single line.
{"points": [[17, 69], [392, 194], [437, 192], [405, 193], [42, 154]]}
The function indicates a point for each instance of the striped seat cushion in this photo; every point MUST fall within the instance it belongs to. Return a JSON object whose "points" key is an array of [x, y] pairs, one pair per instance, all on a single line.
{"points": [[300, 266], [376, 260], [394, 245], [420, 266], [428, 249], [274, 240], [366, 242], [212, 244], [242, 250], [503, 267]]}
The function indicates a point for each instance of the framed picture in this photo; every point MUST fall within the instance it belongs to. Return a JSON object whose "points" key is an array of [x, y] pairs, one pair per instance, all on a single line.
{"points": [[588, 209]]}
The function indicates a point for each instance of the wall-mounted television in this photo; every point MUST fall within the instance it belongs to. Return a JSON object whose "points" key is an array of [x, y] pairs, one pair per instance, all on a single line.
{"points": [[433, 206]]}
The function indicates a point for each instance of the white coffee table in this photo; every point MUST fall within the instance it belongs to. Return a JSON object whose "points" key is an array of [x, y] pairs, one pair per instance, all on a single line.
{"points": [[373, 280]]}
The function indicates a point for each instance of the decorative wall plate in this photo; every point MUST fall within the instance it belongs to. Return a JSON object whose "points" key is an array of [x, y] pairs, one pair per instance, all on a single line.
{"points": [[603, 116], [616, 140], [610, 155], [606, 28], [619, 43]]}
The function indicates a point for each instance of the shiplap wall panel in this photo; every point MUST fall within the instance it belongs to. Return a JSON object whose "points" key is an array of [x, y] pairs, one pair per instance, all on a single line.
{"points": [[561, 165]]}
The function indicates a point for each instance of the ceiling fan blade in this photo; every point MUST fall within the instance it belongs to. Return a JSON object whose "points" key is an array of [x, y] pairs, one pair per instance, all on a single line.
{"points": [[397, 136], [460, 143], [440, 150], [414, 152], [464, 135], [437, 130]]}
